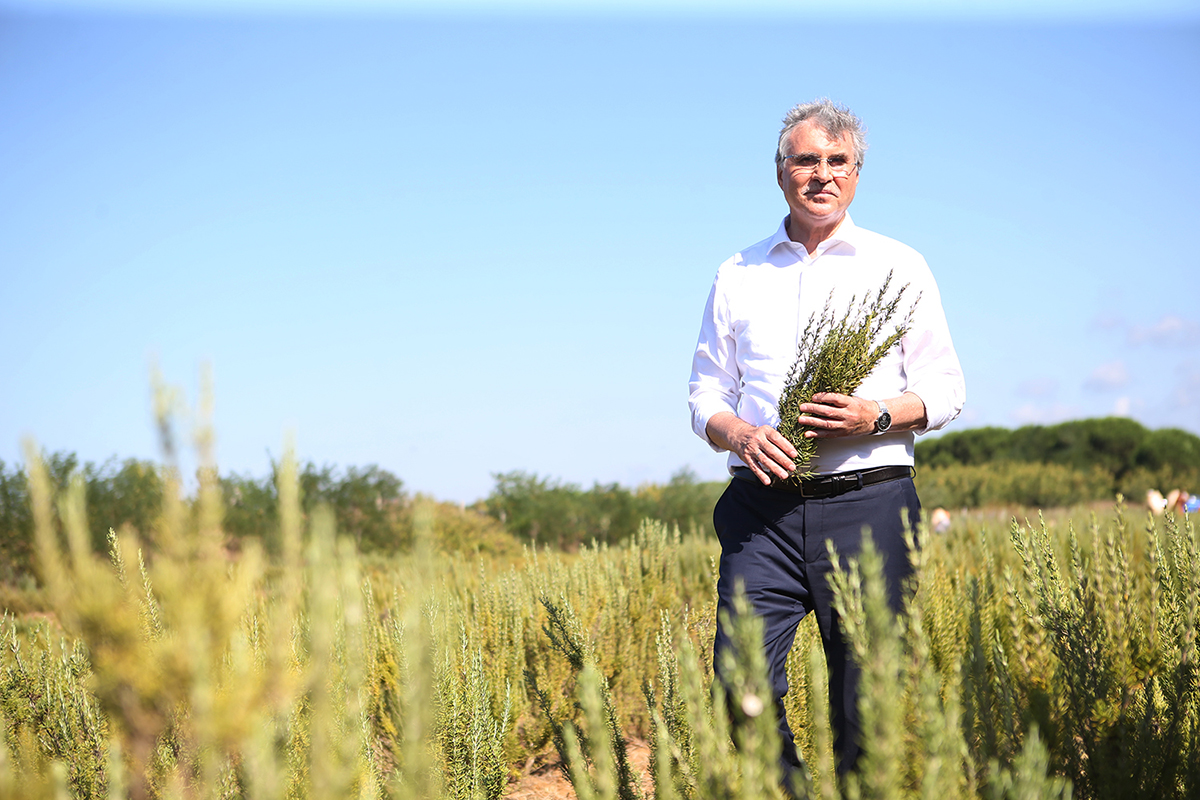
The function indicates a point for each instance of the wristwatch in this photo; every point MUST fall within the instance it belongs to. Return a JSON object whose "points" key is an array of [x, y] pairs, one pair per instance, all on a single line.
{"points": [[884, 421]]}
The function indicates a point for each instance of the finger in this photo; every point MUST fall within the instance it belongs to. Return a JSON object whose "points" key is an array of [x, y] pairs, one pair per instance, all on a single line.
{"points": [[780, 464], [818, 422], [832, 399], [774, 449], [771, 462], [819, 411], [759, 472], [825, 428], [770, 467], [781, 443]]}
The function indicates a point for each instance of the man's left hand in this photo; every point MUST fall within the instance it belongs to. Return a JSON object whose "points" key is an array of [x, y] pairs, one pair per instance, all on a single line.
{"points": [[831, 415]]}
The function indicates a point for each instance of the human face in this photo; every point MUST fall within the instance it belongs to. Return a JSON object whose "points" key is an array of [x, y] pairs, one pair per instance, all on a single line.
{"points": [[817, 199]]}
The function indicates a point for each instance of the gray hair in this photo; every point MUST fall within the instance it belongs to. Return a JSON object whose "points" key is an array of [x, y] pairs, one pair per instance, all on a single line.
{"points": [[836, 120]]}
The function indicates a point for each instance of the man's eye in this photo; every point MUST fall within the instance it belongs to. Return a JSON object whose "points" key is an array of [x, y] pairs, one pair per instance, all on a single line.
{"points": [[808, 162], [838, 161]]}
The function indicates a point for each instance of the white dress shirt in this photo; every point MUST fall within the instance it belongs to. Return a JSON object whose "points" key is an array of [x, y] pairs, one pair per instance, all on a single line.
{"points": [[760, 303]]}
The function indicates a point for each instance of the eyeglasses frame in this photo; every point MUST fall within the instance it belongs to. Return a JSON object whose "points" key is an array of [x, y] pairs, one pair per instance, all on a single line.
{"points": [[849, 167]]}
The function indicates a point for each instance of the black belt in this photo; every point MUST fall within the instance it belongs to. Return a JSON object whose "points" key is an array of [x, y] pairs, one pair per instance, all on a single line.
{"points": [[831, 485]]}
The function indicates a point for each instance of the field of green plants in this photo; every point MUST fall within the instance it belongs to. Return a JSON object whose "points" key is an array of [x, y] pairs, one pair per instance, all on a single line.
{"points": [[1043, 656]]}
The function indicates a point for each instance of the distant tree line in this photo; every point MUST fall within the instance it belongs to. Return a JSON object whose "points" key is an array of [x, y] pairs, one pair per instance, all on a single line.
{"points": [[1034, 466], [123, 493], [563, 515], [367, 502], [1054, 465], [369, 505]]}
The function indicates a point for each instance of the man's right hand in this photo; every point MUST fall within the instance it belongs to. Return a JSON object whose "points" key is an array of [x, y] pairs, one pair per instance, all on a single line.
{"points": [[763, 449]]}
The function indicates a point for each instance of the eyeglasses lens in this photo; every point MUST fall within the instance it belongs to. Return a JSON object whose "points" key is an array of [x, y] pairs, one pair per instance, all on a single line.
{"points": [[839, 166]]}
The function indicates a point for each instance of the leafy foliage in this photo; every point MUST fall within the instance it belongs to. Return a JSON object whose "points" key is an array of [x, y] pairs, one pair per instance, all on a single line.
{"points": [[118, 494], [1032, 662], [564, 516], [1028, 665], [16, 525], [1125, 679], [369, 504], [365, 502], [1011, 483], [1056, 465], [1116, 445], [283, 676]]}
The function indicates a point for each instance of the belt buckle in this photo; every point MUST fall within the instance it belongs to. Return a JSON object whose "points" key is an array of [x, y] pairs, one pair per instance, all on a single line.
{"points": [[820, 487], [834, 485], [845, 483]]}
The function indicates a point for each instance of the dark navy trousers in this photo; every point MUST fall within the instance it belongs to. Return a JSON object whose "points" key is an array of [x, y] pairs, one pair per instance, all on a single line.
{"points": [[774, 543]]}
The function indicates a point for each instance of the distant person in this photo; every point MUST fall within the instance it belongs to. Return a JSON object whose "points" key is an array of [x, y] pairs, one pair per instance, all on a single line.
{"points": [[1177, 501], [773, 537]]}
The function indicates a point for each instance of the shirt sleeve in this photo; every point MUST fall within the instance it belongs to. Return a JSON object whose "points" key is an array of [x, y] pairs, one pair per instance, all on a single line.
{"points": [[931, 365], [716, 381]]}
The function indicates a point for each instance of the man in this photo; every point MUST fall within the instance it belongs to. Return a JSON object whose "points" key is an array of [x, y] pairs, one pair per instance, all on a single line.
{"points": [[773, 537]]}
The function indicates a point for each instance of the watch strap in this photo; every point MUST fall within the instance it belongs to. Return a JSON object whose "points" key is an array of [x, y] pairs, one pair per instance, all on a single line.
{"points": [[884, 421]]}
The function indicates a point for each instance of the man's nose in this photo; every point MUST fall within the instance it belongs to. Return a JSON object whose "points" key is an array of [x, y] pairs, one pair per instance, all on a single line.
{"points": [[823, 172]]}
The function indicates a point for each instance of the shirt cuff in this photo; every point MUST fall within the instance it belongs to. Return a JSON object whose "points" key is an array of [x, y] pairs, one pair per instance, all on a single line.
{"points": [[941, 407], [701, 414]]}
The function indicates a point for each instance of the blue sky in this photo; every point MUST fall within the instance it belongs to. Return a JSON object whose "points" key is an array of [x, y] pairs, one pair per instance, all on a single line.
{"points": [[469, 238]]}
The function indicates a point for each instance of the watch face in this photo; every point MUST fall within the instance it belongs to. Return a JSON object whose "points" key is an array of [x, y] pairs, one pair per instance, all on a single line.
{"points": [[884, 422]]}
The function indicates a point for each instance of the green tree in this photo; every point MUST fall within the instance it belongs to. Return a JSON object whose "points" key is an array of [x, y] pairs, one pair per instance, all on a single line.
{"points": [[684, 501], [16, 524], [608, 513], [1168, 447], [564, 516], [1116, 445], [1108, 443], [366, 502], [16, 520], [119, 494], [1123, 452], [537, 509], [251, 508]]}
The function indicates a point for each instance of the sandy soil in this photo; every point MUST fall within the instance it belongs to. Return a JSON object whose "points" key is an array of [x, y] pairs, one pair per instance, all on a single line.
{"points": [[546, 782]]}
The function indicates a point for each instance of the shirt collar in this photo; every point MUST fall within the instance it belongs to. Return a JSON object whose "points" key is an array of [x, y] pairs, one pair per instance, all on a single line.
{"points": [[846, 233]]}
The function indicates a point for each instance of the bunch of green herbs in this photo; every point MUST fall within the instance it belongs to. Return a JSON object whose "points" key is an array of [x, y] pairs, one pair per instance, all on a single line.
{"points": [[835, 355]]}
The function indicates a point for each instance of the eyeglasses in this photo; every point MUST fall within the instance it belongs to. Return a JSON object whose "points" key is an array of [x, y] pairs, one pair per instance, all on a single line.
{"points": [[839, 165]]}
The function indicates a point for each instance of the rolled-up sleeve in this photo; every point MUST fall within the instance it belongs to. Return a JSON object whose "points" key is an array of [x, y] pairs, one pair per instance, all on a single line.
{"points": [[715, 381], [931, 365]]}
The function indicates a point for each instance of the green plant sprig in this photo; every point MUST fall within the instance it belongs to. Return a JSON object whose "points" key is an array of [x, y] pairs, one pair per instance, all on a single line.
{"points": [[835, 355]]}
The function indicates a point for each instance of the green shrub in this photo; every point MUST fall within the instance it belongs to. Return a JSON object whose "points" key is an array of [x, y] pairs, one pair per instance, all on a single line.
{"points": [[1058, 658], [1011, 483], [1121, 448], [546, 512]]}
